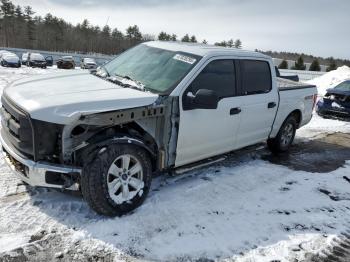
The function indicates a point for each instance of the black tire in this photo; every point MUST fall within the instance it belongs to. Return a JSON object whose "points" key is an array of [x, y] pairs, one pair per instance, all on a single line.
{"points": [[277, 144], [94, 179]]}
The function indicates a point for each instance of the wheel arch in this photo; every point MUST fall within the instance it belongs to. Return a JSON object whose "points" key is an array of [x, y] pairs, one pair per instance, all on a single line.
{"points": [[131, 133], [298, 116], [297, 113]]}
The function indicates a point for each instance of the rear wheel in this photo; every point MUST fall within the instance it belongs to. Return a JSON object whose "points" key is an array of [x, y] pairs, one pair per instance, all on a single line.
{"points": [[285, 136], [117, 180]]}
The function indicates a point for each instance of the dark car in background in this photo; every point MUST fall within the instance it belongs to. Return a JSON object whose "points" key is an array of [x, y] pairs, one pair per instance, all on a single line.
{"points": [[336, 102], [88, 63], [36, 60], [66, 62], [10, 60], [49, 60]]}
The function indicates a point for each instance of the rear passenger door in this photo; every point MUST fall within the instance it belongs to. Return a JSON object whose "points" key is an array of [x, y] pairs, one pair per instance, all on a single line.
{"points": [[259, 101]]}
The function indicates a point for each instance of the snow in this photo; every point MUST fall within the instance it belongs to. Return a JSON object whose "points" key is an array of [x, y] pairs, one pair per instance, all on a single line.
{"points": [[320, 127], [245, 209], [12, 241], [330, 79]]}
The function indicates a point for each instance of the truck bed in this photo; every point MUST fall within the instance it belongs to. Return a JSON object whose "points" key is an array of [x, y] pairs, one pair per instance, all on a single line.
{"points": [[285, 84]]}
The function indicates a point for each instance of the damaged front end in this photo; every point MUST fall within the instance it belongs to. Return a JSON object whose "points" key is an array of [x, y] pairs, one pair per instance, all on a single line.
{"points": [[52, 155], [335, 104], [32, 149], [152, 127]]}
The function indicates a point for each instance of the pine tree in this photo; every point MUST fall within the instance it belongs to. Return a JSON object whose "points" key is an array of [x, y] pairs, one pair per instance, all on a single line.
{"points": [[173, 37], [186, 38], [163, 36], [299, 64], [7, 21], [28, 16], [230, 43], [332, 64], [133, 33], [116, 34], [283, 65], [205, 42], [222, 43], [238, 43], [315, 66], [193, 39]]}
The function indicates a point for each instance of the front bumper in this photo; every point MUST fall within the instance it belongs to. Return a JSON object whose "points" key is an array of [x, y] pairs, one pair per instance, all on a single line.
{"points": [[40, 173], [8, 64], [38, 64], [328, 111]]}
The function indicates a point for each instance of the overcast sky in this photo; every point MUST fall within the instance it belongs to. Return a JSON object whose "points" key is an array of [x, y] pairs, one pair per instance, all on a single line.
{"points": [[318, 27]]}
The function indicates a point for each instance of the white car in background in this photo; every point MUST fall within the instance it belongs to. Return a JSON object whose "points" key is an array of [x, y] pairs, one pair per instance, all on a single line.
{"points": [[24, 58], [88, 63]]}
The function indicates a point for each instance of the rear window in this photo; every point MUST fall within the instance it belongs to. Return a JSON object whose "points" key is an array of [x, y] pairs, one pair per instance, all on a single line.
{"points": [[256, 77]]}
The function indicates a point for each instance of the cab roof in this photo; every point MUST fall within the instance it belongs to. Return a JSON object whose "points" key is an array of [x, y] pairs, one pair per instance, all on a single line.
{"points": [[203, 49]]}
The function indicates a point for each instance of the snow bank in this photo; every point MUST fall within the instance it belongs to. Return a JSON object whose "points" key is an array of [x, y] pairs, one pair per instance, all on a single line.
{"points": [[330, 79]]}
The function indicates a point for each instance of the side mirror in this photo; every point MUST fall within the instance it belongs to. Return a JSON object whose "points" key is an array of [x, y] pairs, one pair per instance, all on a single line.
{"points": [[203, 99]]}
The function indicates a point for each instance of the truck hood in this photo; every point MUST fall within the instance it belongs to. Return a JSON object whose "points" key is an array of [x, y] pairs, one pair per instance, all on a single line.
{"points": [[63, 97]]}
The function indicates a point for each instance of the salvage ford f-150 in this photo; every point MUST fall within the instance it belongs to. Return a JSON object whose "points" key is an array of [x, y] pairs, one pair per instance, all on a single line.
{"points": [[156, 107]]}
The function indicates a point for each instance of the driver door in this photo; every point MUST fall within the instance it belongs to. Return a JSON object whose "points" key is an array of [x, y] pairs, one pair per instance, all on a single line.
{"points": [[208, 132]]}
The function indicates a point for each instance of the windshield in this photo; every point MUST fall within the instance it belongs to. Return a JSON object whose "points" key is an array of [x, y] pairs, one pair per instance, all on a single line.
{"points": [[67, 58], [156, 69], [36, 57], [10, 56], [345, 86], [89, 60]]}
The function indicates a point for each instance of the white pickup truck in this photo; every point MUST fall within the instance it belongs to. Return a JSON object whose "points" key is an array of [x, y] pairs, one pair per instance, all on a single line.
{"points": [[156, 107]]}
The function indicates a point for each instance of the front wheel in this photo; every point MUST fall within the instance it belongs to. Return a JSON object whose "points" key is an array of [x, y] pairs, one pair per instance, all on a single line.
{"points": [[284, 139], [117, 180]]}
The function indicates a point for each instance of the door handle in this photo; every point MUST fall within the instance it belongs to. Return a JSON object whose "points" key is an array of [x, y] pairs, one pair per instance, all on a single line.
{"points": [[271, 105], [235, 111]]}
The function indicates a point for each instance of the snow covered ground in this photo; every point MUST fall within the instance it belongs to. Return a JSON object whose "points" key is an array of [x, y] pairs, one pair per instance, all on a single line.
{"points": [[241, 209]]}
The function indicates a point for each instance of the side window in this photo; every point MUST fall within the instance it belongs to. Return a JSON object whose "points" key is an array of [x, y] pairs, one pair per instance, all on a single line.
{"points": [[256, 77], [218, 76]]}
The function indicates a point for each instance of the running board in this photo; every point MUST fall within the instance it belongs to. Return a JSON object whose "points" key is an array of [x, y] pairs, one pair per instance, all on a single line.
{"points": [[197, 165]]}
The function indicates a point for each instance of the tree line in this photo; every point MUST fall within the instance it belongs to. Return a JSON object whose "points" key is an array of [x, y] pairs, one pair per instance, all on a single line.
{"points": [[330, 62], [314, 66], [21, 28]]}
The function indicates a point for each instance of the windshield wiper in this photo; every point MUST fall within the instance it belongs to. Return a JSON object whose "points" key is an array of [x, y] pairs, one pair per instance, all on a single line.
{"points": [[97, 72], [138, 85]]}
